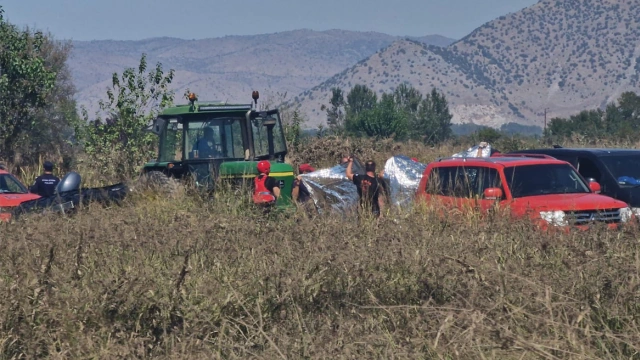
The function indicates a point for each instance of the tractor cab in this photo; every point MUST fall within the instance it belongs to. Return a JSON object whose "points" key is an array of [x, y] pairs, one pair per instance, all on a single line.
{"points": [[205, 141]]}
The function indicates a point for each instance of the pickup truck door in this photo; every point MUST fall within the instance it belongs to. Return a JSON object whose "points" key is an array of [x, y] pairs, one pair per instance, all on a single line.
{"points": [[488, 177], [462, 187], [439, 185]]}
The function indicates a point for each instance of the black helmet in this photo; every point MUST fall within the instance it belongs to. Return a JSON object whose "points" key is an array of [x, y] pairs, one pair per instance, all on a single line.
{"points": [[69, 182]]}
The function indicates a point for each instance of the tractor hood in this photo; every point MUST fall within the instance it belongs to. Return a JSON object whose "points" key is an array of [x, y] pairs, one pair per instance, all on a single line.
{"points": [[249, 169]]}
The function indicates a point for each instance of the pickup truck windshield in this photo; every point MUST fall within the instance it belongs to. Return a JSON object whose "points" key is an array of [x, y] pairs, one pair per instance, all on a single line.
{"points": [[544, 179], [625, 168], [10, 185]]}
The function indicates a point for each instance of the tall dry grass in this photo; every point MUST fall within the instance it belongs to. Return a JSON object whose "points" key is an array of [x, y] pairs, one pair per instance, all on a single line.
{"points": [[198, 278]]}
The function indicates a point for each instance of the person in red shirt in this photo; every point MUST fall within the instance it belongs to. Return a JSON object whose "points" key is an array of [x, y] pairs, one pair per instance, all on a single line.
{"points": [[266, 188]]}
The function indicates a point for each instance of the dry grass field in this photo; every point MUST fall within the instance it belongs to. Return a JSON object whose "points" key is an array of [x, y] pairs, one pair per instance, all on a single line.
{"points": [[191, 279]]}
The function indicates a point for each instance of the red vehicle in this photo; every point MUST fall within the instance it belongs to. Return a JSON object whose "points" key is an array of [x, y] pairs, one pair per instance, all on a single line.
{"points": [[12, 194], [549, 191]]}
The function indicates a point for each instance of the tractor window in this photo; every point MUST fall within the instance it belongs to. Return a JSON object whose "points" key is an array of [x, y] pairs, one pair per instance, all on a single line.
{"points": [[233, 140], [214, 139], [260, 139], [171, 142]]}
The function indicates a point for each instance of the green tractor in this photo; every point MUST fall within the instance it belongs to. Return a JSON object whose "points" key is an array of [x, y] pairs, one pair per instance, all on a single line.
{"points": [[207, 142]]}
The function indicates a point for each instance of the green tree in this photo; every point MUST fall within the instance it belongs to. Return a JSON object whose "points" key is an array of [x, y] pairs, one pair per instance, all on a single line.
{"points": [[629, 106], [433, 120], [360, 106], [384, 120], [408, 99], [559, 128], [360, 99], [335, 114], [625, 121], [589, 123], [120, 144], [293, 130], [487, 134], [615, 122], [55, 121], [26, 83]]}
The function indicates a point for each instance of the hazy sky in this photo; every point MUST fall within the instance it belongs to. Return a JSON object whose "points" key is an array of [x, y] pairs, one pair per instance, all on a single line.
{"points": [[197, 19]]}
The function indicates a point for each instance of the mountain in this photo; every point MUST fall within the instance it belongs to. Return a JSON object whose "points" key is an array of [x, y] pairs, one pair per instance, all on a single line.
{"points": [[230, 67], [566, 56]]}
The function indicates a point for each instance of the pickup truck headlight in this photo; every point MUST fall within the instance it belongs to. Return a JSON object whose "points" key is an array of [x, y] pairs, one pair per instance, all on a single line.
{"points": [[626, 214], [555, 218]]}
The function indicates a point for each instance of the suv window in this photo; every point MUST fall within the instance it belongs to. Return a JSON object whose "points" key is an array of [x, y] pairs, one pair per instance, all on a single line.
{"points": [[588, 169], [624, 168], [462, 181]]}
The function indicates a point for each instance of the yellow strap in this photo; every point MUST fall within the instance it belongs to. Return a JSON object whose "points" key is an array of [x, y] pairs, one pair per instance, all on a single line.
{"points": [[247, 176]]}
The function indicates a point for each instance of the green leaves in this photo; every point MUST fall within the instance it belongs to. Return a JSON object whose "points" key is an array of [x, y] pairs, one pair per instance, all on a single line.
{"points": [[619, 121], [383, 120], [120, 144], [402, 114], [26, 82], [432, 123]]}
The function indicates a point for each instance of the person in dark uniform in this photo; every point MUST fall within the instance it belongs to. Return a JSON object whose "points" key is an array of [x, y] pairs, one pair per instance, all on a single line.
{"points": [[370, 189], [45, 184], [300, 193]]}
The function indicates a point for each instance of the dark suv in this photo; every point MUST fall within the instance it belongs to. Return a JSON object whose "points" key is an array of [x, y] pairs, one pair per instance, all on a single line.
{"points": [[616, 170]]}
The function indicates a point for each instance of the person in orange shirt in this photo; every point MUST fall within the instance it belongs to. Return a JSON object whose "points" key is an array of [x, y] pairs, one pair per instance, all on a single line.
{"points": [[266, 189]]}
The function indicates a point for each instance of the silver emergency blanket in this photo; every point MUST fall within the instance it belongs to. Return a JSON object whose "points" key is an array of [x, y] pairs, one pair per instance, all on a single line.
{"points": [[473, 151], [331, 190], [403, 176]]}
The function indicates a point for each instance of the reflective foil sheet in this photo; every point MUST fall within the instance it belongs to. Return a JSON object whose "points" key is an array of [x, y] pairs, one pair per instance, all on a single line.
{"points": [[485, 151], [332, 191], [330, 188], [402, 176]]}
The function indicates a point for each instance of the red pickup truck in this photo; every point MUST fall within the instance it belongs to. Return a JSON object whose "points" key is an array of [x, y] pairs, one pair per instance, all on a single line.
{"points": [[12, 194], [549, 191]]}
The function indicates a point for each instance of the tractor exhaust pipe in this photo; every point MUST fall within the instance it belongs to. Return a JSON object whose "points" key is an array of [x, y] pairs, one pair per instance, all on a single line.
{"points": [[255, 95]]}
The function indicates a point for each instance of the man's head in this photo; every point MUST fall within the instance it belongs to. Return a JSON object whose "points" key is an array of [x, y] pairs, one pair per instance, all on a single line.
{"points": [[370, 166], [264, 167], [344, 160], [48, 166], [208, 133], [306, 168]]}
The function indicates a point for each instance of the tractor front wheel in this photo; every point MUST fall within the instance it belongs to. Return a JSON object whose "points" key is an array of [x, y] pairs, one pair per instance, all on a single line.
{"points": [[159, 181]]}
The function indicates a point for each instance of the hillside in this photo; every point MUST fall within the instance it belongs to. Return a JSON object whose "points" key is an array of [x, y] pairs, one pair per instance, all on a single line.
{"points": [[562, 55], [231, 67]]}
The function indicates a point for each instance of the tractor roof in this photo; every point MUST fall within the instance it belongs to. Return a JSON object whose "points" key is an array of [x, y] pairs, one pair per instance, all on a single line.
{"points": [[206, 107]]}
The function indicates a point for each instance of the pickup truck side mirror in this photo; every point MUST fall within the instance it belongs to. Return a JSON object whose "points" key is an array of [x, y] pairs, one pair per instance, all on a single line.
{"points": [[595, 187], [493, 194]]}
